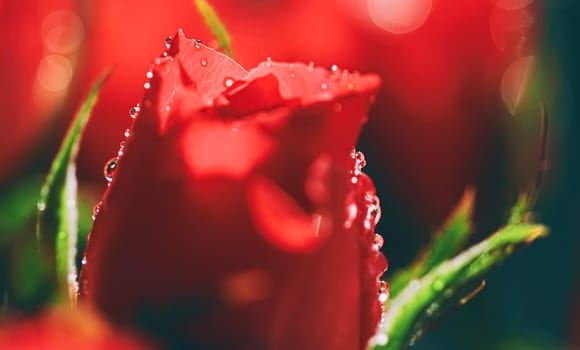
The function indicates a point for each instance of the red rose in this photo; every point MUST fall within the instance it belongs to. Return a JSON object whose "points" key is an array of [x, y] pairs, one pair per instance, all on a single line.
{"points": [[237, 216]]}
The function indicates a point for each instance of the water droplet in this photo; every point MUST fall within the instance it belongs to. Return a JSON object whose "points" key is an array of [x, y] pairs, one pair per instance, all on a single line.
{"points": [[41, 206], [383, 297], [228, 82], [438, 285], [334, 68], [164, 54], [383, 292], [414, 285], [203, 62], [110, 168], [383, 286], [360, 161], [269, 61], [381, 339], [127, 133], [324, 86], [292, 75], [149, 75], [432, 309], [147, 85], [310, 66], [84, 261], [351, 212], [96, 210], [168, 42], [378, 242], [133, 112], [373, 207]]}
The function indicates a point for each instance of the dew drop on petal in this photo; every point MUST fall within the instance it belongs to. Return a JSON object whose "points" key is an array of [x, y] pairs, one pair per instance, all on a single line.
{"points": [[147, 85], [310, 66], [228, 82], [360, 161], [334, 68], [378, 242], [133, 112], [168, 42], [269, 61], [110, 168], [149, 75], [324, 86], [203, 62], [96, 210], [127, 132]]}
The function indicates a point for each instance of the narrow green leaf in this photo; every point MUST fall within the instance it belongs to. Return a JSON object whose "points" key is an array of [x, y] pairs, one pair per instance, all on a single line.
{"points": [[422, 298], [520, 209], [215, 25], [446, 243], [57, 223]]}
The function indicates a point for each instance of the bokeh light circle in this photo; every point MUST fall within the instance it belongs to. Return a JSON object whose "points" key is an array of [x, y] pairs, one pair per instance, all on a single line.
{"points": [[399, 16]]}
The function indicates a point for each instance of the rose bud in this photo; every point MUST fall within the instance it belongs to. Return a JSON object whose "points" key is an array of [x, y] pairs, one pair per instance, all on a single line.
{"points": [[67, 330], [237, 215]]}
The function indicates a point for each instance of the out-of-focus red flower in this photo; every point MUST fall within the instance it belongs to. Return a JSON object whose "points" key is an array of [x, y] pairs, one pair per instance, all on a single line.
{"points": [[237, 216], [67, 330], [39, 44]]}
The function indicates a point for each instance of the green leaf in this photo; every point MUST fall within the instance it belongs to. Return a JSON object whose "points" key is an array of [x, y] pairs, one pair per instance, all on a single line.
{"points": [[520, 209], [17, 207], [422, 298], [446, 243], [57, 223], [215, 25]]}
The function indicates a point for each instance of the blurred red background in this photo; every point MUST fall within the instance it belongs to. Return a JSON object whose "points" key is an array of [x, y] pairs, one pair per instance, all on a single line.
{"points": [[430, 133]]}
